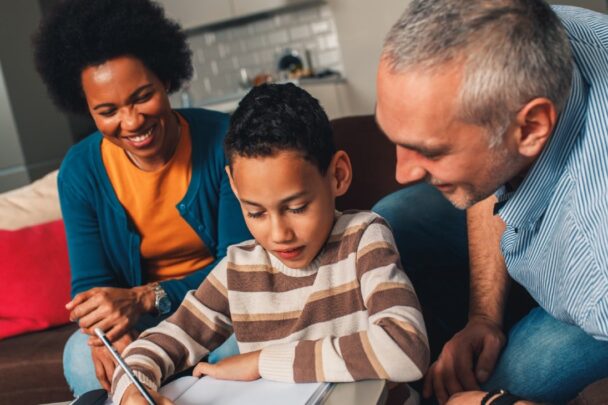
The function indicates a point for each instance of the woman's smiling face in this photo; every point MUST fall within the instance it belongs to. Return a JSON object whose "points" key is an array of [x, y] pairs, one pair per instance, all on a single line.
{"points": [[131, 109]]}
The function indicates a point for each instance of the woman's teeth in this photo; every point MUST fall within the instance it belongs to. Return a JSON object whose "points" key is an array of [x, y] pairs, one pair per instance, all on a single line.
{"points": [[140, 138]]}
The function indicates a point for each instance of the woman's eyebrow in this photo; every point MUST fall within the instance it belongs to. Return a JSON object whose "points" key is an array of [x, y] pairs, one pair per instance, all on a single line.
{"points": [[133, 95]]}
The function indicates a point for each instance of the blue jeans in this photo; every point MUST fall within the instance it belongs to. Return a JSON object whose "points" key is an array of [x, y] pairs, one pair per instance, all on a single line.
{"points": [[544, 359], [432, 240], [79, 370], [548, 360]]}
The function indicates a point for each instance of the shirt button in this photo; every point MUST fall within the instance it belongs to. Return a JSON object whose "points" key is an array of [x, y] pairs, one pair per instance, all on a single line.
{"points": [[182, 207], [200, 228]]}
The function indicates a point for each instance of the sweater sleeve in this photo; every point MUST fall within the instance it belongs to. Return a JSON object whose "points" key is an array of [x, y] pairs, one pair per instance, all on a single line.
{"points": [[89, 264], [200, 324], [394, 345]]}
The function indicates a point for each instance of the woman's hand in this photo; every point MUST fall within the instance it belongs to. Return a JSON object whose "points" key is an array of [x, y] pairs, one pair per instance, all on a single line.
{"points": [[243, 367], [104, 362], [133, 397], [114, 310]]}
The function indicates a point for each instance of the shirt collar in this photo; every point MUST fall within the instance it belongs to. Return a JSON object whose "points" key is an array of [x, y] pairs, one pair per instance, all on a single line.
{"points": [[525, 205]]}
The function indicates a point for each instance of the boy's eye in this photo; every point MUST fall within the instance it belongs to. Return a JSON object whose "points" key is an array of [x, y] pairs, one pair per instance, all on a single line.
{"points": [[298, 210], [255, 214]]}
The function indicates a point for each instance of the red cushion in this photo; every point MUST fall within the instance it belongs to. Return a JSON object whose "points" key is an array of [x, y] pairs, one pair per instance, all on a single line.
{"points": [[34, 278]]}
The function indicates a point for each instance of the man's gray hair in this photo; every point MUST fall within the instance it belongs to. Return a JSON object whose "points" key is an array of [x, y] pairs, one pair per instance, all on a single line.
{"points": [[513, 51]]}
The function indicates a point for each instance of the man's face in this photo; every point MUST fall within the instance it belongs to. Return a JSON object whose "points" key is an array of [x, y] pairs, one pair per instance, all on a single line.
{"points": [[417, 111], [287, 203]]}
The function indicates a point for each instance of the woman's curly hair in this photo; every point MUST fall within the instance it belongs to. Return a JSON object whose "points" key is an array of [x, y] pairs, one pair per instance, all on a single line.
{"points": [[81, 33]]}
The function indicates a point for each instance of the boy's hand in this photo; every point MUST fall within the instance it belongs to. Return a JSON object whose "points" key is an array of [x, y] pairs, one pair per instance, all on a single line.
{"points": [[243, 367], [133, 397]]}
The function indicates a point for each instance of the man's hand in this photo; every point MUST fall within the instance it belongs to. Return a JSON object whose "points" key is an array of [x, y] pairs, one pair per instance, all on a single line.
{"points": [[243, 367], [133, 397], [113, 310], [466, 398], [105, 363], [455, 369]]}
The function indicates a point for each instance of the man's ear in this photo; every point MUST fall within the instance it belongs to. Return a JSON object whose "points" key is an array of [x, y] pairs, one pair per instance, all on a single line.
{"points": [[229, 173], [341, 173], [536, 121]]}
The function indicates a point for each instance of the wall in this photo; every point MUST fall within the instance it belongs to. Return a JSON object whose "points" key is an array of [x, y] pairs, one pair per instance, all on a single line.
{"points": [[228, 56], [43, 132], [597, 5], [362, 26], [13, 172]]}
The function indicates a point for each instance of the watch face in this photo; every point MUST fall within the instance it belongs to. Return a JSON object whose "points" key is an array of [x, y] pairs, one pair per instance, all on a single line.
{"points": [[164, 305]]}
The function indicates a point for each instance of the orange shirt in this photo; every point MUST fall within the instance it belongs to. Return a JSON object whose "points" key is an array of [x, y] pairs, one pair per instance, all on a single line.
{"points": [[170, 248]]}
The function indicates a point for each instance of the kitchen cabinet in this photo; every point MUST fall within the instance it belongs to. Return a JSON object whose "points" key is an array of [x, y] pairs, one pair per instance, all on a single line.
{"points": [[247, 7], [330, 95], [197, 13]]}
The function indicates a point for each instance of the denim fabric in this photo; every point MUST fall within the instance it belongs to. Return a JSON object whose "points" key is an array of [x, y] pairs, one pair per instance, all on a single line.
{"points": [[548, 360], [432, 240], [544, 359], [78, 367], [79, 370], [227, 349]]}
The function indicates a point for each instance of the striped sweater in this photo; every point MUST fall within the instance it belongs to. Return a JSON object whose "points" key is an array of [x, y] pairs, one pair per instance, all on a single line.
{"points": [[350, 315]]}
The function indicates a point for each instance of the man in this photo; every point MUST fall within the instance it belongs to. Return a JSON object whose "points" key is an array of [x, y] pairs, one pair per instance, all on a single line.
{"points": [[503, 107]]}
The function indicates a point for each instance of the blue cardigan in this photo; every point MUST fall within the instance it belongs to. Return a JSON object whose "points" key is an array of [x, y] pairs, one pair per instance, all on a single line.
{"points": [[104, 247]]}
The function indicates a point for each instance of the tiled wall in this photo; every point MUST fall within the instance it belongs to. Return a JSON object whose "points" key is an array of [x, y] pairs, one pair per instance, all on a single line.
{"points": [[256, 45]]}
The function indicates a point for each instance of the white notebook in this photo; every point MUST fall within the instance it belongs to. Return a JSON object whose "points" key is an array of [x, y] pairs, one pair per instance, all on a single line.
{"points": [[209, 391]]}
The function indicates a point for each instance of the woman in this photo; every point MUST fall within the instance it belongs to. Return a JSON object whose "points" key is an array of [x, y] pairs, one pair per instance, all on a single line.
{"points": [[146, 202]]}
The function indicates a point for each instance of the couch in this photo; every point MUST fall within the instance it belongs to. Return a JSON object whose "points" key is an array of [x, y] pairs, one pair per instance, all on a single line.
{"points": [[31, 363]]}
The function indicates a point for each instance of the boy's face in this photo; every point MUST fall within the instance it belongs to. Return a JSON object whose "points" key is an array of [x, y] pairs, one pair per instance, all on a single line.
{"points": [[287, 203]]}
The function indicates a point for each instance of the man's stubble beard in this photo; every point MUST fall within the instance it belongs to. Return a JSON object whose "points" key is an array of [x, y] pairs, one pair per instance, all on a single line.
{"points": [[502, 167]]}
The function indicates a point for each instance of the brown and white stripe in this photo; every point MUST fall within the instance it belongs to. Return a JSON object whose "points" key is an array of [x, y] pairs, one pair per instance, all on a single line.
{"points": [[353, 314]]}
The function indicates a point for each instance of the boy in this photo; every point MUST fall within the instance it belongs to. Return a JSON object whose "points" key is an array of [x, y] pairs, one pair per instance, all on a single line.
{"points": [[318, 295]]}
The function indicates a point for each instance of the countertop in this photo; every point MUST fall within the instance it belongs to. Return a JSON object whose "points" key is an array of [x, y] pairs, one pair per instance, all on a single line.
{"points": [[229, 102]]}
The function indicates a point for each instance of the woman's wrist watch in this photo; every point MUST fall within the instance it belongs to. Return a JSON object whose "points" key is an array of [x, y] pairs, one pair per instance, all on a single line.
{"points": [[162, 303]]}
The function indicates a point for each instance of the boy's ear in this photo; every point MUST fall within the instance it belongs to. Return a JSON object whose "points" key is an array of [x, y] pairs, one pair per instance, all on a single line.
{"points": [[229, 173], [535, 122], [341, 173]]}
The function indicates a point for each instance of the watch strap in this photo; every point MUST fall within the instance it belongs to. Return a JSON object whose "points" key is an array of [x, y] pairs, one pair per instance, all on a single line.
{"points": [[161, 300]]}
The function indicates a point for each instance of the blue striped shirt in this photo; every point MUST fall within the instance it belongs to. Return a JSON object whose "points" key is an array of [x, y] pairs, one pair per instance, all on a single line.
{"points": [[556, 238]]}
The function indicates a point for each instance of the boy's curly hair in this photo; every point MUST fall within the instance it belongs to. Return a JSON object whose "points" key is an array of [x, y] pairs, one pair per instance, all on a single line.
{"points": [[278, 117], [81, 33]]}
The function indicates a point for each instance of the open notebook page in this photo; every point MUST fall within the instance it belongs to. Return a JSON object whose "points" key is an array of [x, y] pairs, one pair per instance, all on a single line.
{"points": [[209, 391]]}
